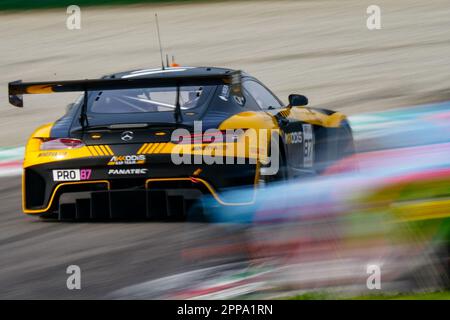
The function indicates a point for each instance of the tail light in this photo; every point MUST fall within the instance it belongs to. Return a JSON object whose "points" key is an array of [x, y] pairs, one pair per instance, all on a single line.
{"points": [[61, 143], [208, 137]]}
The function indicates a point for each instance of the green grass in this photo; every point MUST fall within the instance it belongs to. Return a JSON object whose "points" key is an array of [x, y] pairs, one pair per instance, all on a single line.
{"points": [[312, 296], [46, 4], [445, 295], [441, 295]]}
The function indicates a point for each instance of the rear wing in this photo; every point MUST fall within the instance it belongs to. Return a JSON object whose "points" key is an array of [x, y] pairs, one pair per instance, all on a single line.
{"points": [[17, 89]]}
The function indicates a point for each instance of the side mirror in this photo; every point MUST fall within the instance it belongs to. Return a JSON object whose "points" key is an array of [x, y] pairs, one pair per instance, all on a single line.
{"points": [[297, 100]]}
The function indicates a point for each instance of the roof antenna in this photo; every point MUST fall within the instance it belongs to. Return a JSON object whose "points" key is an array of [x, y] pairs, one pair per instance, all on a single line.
{"points": [[159, 40]]}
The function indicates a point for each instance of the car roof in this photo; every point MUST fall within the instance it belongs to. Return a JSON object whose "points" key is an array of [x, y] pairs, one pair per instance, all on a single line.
{"points": [[155, 72]]}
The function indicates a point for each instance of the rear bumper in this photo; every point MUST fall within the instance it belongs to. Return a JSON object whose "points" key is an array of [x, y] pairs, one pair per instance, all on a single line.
{"points": [[154, 204], [41, 194]]}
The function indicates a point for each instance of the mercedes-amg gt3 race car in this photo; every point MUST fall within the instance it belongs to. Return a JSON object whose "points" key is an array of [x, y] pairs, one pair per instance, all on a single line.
{"points": [[152, 143]]}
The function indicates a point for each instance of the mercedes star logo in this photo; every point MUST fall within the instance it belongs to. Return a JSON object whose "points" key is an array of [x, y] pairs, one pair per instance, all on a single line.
{"points": [[127, 135]]}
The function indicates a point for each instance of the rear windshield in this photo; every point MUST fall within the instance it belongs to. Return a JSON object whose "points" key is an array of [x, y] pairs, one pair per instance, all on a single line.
{"points": [[147, 99]]}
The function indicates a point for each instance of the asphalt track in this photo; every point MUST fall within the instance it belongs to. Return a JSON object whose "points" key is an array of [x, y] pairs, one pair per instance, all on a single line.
{"points": [[318, 48], [35, 254]]}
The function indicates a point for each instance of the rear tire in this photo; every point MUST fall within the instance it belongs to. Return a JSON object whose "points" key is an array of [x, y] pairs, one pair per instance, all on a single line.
{"points": [[346, 145]]}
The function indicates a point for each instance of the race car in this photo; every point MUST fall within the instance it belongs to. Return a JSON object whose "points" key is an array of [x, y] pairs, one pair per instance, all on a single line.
{"points": [[152, 143]]}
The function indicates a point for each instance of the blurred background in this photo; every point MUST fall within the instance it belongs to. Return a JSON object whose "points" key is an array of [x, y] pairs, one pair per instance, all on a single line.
{"points": [[392, 82], [322, 49]]}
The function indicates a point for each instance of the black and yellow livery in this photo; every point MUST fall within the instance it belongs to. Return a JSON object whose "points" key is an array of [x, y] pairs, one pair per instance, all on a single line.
{"points": [[111, 154]]}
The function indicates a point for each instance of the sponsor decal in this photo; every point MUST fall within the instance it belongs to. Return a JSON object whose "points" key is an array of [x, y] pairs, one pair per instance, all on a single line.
{"points": [[127, 160], [134, 171], [71, 174], [294, 137], [308, 146], [52, 154]]}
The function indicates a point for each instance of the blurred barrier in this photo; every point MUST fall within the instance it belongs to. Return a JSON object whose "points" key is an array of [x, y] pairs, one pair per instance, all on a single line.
{"points": [[387, 206], [11, 161]]}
